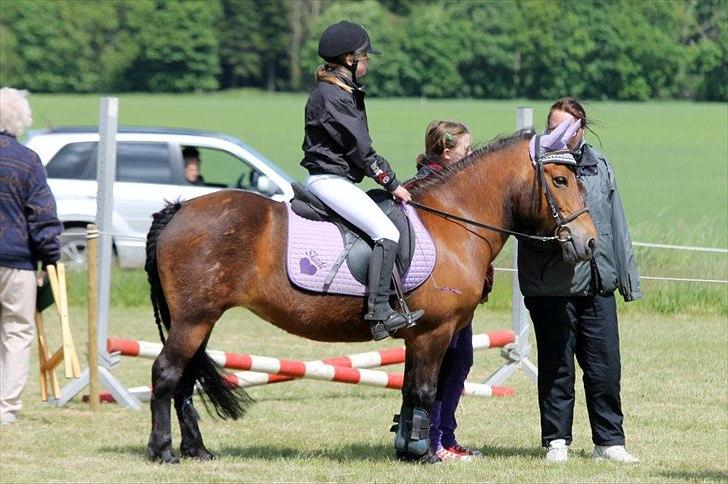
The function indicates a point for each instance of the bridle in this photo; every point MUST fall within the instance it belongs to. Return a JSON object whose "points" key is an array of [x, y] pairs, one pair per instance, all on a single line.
{"points": [[562, 232]]}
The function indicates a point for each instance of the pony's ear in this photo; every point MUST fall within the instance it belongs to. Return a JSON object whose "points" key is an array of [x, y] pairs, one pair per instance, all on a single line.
{"points": [[556, 140], [573, 128]]}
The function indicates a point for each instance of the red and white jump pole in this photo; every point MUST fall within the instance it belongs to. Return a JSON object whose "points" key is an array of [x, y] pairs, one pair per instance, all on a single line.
{"points": [[369, 359], [343, 369], [315, 370]]}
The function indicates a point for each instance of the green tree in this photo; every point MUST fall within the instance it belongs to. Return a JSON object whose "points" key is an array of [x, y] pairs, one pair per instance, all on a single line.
{"points": [[178, 48], [255, 52], [386, 31], [62, 46]]}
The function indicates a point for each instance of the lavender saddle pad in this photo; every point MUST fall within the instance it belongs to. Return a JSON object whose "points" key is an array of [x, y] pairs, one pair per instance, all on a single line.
{"points": [[314, 248]]}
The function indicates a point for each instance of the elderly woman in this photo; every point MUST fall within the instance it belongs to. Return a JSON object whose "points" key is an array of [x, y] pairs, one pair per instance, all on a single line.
{"points": [[574, 312], [30, 230]]}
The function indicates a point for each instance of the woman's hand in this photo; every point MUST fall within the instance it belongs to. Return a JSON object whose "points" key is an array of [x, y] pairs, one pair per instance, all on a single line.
{"points": [[401, 193]]}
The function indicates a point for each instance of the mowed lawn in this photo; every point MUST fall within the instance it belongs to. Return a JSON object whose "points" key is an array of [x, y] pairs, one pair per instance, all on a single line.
{"points": [[673, 389]]}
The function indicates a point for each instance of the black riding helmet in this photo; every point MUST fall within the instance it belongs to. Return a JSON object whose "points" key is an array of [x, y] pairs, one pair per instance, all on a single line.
{"points": [[342, 38]]}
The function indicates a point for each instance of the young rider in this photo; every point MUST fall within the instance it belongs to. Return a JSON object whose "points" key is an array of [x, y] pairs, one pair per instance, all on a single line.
{"points": [[338, 153], [448, 142]]}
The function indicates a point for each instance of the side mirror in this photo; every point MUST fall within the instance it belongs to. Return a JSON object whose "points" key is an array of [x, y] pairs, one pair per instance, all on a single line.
{"points": [[265, 185]]}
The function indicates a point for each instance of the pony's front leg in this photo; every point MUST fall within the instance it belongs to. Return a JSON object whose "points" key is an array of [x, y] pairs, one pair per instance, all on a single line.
{"points": [[412, 440]]}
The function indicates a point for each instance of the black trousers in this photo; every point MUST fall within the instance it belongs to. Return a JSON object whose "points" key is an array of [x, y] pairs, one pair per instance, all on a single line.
{"points": [[585, 327]]}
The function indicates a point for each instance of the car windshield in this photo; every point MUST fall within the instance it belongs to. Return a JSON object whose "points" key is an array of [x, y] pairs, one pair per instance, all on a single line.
{"points": [[259, 155]]}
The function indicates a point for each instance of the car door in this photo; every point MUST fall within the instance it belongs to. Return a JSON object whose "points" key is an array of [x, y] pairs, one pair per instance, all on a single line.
{"points": [[147, 174]]}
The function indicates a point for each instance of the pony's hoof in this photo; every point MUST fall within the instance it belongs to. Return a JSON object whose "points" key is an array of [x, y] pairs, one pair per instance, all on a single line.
{"points": [[165, 456], [199, 453], [427, 458]]}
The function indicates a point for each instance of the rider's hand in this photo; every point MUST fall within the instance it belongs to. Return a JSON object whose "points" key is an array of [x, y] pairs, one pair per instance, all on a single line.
{"points": [[401, 193]]}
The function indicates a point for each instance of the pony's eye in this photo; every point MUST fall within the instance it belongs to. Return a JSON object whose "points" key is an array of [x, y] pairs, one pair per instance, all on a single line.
{"points": [[561, 181]]}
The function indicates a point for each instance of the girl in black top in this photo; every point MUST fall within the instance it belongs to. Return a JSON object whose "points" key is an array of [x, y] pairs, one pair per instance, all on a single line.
{"points": [[338, 153]]}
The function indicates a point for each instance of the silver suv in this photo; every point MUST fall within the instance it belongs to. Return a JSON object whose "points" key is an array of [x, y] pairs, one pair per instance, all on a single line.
{"points": [[149, 169]]}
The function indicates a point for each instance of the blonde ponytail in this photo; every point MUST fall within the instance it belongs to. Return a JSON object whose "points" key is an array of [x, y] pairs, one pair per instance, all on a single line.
{"points": [[326, 74]]}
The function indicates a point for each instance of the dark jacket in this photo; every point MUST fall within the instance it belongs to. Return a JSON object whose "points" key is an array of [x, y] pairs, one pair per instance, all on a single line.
{"points": [[337, 137], [29, 227], [542, 270]]}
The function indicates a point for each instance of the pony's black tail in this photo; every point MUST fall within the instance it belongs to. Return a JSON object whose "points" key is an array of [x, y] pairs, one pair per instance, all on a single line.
{"points": [[227, 400], [159, 302]]}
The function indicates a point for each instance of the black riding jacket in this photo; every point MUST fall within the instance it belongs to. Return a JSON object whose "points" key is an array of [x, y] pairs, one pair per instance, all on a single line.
{"points": [[337, 137]]}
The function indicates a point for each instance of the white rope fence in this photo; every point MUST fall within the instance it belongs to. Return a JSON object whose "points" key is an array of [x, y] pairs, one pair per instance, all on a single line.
{"points": [[680, 247]]}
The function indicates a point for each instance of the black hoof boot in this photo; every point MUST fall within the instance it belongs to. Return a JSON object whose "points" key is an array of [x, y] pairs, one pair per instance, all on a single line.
{"points": [[427, 458]]}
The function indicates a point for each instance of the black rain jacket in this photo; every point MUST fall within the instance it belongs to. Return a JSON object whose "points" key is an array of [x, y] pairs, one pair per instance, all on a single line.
{"points": [[337, 140]]}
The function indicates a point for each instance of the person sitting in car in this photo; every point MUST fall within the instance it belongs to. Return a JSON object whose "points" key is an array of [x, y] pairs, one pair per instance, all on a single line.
{"points": [[191, 155]]}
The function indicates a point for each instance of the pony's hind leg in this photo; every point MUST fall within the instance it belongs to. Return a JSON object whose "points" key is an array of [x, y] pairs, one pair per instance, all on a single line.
{"points": [[167, 370], [192, 445]]}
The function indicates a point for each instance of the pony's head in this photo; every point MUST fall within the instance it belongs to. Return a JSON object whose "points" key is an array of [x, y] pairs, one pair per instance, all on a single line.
{"points": [[558, 204]]}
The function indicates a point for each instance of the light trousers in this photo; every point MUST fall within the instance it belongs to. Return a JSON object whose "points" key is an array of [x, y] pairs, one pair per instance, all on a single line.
{"points": [[354, 205], [17, 329]]}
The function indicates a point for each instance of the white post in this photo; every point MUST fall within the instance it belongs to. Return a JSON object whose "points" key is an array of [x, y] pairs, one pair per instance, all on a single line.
{"points": [[105, 175], [517, 354]]}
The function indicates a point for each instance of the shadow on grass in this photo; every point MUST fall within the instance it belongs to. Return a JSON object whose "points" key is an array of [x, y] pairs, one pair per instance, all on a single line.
{"points": [[705, 475], [534, 452], [347, 453], [344, 453]]}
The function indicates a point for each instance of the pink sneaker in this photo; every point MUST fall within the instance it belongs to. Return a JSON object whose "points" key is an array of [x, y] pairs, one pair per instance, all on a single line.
{"points": [[459, 449], [446, 455]]}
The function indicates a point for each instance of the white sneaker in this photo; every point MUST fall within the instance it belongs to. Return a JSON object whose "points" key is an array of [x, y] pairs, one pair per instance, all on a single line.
{"points": [[616, 453], [558, 451], [7, 419]]}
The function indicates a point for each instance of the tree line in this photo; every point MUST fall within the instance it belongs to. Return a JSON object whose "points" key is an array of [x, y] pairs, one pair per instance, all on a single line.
{"points": [[593, 49]]}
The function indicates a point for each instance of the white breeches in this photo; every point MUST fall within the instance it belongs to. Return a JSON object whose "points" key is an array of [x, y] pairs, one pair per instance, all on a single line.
{"points": [[353, 204]]}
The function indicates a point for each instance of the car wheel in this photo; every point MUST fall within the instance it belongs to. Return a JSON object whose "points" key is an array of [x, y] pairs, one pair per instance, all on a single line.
{"points": [[73, 247]]}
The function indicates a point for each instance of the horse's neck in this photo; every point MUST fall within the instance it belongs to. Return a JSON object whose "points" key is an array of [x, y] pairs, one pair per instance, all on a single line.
{"points": [[483, 192]]}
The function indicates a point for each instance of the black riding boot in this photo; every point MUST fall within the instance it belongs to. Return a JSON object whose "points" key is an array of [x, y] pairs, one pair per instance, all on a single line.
{"points": [[382, 318]]}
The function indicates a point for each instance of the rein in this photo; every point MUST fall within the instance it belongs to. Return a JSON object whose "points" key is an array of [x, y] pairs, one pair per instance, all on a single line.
{"points": [[450, 216], [562, 157]]}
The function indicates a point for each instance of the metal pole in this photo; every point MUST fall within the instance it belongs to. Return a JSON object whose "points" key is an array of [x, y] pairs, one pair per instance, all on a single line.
{"points": [[105, 175], [92, 235], [517, 355]]}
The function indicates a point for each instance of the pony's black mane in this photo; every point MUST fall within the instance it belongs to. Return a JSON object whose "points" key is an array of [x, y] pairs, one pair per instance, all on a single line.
{"points": [[498, 143]]}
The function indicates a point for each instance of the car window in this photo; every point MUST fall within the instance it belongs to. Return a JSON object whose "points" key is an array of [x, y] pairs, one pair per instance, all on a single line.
{"points": [[73, 161], [143, 163], [219, 167]]}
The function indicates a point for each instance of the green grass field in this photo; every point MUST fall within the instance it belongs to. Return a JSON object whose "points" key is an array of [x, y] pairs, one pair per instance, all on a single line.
{"points": [[673, 390], [671, 160]]}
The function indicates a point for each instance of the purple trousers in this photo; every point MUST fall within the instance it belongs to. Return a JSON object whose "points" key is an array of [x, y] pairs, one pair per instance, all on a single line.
{"points": [[451, 381]]}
